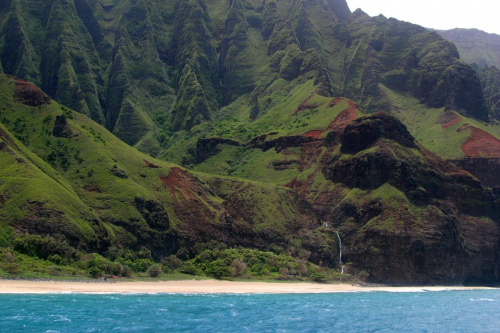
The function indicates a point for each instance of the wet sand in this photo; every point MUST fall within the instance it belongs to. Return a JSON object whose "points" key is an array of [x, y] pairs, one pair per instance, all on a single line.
{"points": [[197, 287]]}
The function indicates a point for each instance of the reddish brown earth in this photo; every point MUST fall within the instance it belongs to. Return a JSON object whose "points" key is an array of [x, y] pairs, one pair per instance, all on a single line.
{"points": [[451, 121], [335, 101], [448, 119], [179, 181], [481, 144], [191, 207], [304, 105], [341, 121], [344, 118], [150, 165], [314, 134], [26, 93]]}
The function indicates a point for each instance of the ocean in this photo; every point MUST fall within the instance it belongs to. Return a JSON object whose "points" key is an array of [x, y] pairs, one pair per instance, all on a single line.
{"points": [[446, 311]]}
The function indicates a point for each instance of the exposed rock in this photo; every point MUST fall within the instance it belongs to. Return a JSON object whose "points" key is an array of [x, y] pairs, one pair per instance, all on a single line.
{"points": [[414, 207], [484, 169], [150, 165], [490, 81], [118, 172], [26, 93], [61, 128], [281, 143], [207, 147], [363, 132]]}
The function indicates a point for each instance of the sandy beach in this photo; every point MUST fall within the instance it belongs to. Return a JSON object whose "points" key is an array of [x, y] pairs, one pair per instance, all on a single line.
{"points": [[197, 287]]}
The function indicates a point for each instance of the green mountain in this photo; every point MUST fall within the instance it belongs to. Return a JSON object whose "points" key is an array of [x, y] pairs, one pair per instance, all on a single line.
{"points": [[273, 110], [482, 51], [148, 69], [475, 46], [394, 203]]}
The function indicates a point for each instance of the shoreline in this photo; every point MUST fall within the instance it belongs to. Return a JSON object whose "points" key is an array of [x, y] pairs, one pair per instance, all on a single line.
{"points": [[202, 287]]}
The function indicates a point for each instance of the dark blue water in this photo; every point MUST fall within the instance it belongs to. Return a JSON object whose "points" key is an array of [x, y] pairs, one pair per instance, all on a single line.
{"points": [[449, 311]]}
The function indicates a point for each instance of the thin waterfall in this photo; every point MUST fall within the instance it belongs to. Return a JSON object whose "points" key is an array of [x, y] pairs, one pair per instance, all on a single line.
{"points": [[340, 247]]}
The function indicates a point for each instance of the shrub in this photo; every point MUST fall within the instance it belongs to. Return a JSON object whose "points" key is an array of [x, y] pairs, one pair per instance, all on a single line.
{"points": [[239, 267], [218, 269], [171, 263], [189, 268], [318, 276], [95, 272], [42, 247], [154, 270], [141, 265], [127, 272]]}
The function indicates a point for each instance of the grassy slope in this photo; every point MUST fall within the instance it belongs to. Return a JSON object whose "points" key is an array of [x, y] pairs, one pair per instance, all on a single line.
{"points": [[85, 171], [423, 123]]}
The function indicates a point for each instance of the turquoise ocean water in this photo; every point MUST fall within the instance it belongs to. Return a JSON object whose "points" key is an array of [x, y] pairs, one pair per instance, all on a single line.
{"points": [[447, 311]]}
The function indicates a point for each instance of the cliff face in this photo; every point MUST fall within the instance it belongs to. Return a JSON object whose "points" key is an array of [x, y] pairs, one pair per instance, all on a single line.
{"points": [[401, 218], [490, 81], [485, 169]]}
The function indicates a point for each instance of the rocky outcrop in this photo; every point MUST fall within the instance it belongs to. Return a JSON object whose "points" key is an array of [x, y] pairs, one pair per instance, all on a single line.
{"points": [[363, 132], [404, 215], [61, 128], [26, 93], [281, 142], [208, 147], [484, 169], [490, 81]]}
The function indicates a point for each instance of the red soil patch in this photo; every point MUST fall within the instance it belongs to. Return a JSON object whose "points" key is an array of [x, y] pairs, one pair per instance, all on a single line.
{"points": [[304, 105], [335, 101], [150, 165], [314, 134], [344, 118], [179, 182], [26, 93], [481, 144], [353, 104], [451, 122]]}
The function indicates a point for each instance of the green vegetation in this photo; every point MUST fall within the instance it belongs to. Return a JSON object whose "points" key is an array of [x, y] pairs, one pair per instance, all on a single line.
{"points": [[245, 94]]}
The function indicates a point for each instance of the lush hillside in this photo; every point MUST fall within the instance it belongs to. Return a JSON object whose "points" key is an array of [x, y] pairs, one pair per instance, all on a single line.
{"points": [[264, 107], [392, 202], [149, 69], [65, 176], [490, 80], [475, 46]]}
